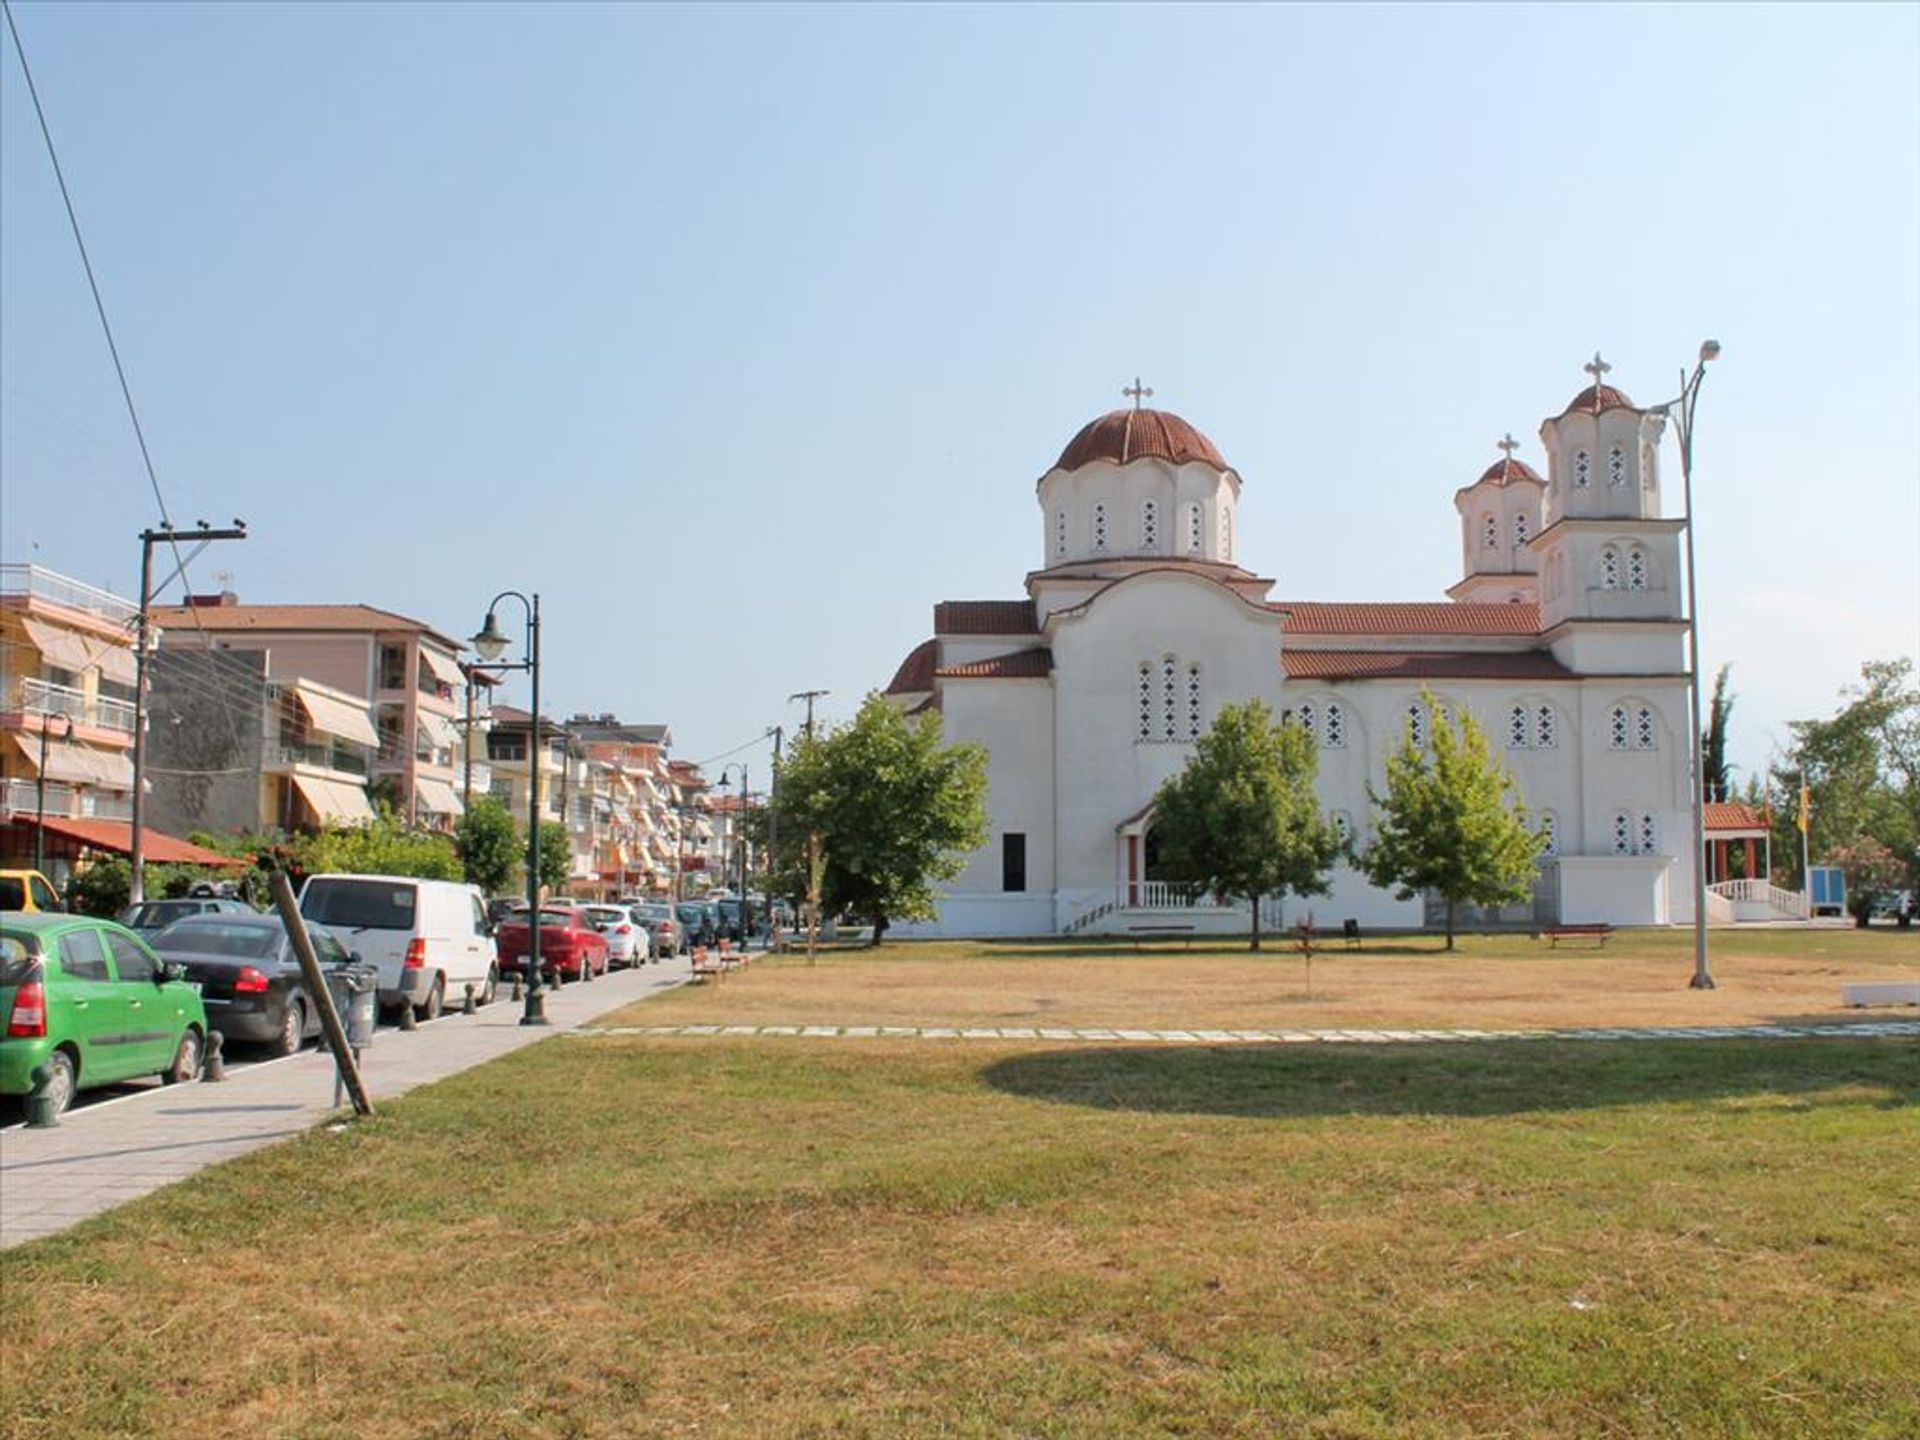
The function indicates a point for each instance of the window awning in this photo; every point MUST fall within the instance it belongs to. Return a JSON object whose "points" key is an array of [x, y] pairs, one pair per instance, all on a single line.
{"points": [[64, 649], [116, 664], [76, 764], [445, 668], [437, 797], [333, 799], [441, 732], [333, 716]]}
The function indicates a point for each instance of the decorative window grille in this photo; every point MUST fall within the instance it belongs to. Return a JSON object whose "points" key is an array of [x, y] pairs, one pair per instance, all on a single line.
{"points": [[1100, 525], [1518, 732], [1334, 736], [1546, 728], [1609, 569], [1309, 718], [1617, 731], [1342, 826], [1648, 835], [1146, 702], [1636, 569], [1616, 466], [1549, 834], [1149, 525], [1194, 536], [1193, 702], [1169, 709], [1645, 733], [1417, 725], [1622, 833], [1492, 528], [1582, 470], [1059, 534], [1520, 528]]}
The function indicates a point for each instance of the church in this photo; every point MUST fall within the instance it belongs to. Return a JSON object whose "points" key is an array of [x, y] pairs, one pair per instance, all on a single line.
{"points": [[1564, 637]]}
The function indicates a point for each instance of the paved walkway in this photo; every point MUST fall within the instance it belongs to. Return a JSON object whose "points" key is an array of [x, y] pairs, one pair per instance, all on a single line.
{"points": [[1850, 1030], [107, 1153]]}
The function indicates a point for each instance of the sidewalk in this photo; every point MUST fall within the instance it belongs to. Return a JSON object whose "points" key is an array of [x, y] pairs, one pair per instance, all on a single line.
{"points": [[105, 1154]]}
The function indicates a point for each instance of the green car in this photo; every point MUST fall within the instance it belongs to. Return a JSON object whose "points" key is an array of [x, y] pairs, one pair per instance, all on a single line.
{"points": [[89, 999]]}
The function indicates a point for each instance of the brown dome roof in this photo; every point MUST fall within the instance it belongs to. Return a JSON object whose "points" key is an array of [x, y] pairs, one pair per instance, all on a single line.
{"points": [[1596, 398], [1506, 470], [1123, 435]]}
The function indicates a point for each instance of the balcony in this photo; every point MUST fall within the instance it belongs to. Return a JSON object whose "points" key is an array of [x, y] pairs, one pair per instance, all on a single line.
{"points": [[43, 697], [21, 799], [338, 756], [42, 584]]}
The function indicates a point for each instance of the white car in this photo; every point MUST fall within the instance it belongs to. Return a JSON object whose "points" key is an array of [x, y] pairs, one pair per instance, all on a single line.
{"points": [[628, 942], [430, 938]]}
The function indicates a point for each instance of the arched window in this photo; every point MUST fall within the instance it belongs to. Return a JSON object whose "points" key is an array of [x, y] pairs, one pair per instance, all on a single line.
{"points": [[1619, 732], [1100, 525], [1622, 833], [1308, 718], [1342, 827], [1491, 526], [1646, 731], [1060, 534], [1636, 569], [1520, 528], [1417, 724], [1609, 569], [1546, 728], [1193, 702], [1169, 709], [1582, 470], [1649, 835], [1149, 525], [1334, 735], [1616, 466], [1194, 537], [1145, 729], [1519, 732], [1549, 834]]}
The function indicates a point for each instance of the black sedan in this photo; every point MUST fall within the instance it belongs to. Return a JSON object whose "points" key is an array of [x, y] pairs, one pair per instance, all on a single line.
{"points": [[248, 975]]}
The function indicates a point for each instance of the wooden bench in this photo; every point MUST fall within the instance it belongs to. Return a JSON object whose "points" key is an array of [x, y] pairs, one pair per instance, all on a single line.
{"points": [[1141, 932], [706, 965], [1554, 934]]}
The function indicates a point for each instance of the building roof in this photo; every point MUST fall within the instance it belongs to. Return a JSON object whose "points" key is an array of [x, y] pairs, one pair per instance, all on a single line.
{"points": [[916, 671], [1422, 665], [985, 617], [1020, 665], [608, 729], [239, 619], [1507, 470], [1596, 398], [1123, 435], [1727, 815], [1439, 617], [117, 835]]}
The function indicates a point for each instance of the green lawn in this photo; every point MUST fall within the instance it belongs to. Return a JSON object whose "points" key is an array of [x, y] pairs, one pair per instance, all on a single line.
{"points": [[617, 1236]]}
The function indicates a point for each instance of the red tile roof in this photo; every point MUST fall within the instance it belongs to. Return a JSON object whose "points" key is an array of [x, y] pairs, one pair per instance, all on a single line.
{"points": [[359, 619], [1731, 815], [985, 617], [1421, 665], [1506, 470], [1596, 398], [1020, 665], [117, 835], [1123, 435], [1308, 617], [916, 671]]}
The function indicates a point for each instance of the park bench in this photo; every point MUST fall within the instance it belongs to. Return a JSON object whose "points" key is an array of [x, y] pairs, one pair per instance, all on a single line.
{"points": [[706, 965], [1148, 929], [1556, 933], [1894, 992]]}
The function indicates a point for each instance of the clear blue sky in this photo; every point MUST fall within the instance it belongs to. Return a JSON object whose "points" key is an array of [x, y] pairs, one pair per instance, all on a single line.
{"points": [[742, 333]]}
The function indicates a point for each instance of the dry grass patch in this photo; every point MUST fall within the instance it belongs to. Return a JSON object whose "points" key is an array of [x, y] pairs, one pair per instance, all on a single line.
{"points": [[623, 1237], [1491, 982]]}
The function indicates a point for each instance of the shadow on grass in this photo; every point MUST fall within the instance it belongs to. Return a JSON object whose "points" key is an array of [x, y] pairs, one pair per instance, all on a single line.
{"points": [[1209, 947], [1468, 1078]]}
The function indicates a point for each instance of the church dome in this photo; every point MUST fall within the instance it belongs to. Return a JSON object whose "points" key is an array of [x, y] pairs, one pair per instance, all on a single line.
{"points": [[1507, 470], [1596, 398], [1124, 435]]}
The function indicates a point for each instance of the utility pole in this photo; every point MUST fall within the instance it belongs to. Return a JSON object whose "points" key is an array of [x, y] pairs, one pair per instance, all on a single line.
{"points": [[779, 734], [165, 534], [40, 787], [809, 696]]}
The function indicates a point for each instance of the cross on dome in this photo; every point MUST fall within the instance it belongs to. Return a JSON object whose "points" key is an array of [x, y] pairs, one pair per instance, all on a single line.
{"points": [[1597, 368], [1508, 444], [1136, 392]]}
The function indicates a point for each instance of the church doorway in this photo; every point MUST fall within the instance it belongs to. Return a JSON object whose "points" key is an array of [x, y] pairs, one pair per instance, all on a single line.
{"points": [[1150, 857]]}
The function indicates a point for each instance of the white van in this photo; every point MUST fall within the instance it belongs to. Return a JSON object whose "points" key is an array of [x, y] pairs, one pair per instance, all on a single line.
{"points": [[430, 938]]}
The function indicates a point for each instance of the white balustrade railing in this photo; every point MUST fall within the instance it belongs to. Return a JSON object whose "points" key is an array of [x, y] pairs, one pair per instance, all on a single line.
{"points": [[22, 797], [1760, 892], [43, 697]]}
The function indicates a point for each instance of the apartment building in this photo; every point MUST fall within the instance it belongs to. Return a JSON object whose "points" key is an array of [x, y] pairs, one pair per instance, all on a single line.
{"points": [[631, 819]]}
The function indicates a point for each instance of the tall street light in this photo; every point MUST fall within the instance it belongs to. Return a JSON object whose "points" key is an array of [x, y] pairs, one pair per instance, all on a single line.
{"points": [[740, 842], [1681, 410], [491, 644], [47, 717]]}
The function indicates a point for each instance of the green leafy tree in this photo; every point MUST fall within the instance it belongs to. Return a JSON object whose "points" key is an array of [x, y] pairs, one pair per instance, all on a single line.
{"points": [[1713, 740], [1451, 820], [1872, 871], [383, 845], [489, 845], [556, 858], [102, 888], [1241, 817], [895, 810]]}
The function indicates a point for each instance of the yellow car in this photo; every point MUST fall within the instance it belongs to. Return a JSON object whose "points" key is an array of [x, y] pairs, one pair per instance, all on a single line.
{"points": [[28, 891]]}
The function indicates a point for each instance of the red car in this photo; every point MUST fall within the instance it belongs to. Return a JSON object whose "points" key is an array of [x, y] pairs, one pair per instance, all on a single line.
{"points": [[568, 945]]}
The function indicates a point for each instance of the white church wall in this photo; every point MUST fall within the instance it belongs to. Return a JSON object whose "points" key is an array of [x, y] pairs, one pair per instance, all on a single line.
{"points": [[1622, 648], [966, 649], [1014, 720], [1618, 890], [1095, 512]]}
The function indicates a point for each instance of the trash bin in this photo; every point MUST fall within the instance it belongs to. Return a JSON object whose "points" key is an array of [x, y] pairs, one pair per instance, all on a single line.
{"points": [[355, 996]]}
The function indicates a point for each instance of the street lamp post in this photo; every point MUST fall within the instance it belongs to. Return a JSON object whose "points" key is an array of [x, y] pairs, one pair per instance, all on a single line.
{"points": [[1681, 410], [491, 644], [47, 718], [740, 842]]}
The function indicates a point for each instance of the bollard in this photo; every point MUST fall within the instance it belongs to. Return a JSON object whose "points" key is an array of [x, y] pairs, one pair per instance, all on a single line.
{"points": [[586, 968], [516, 996], [40, 1112], [467, 1006], [407, 1019], [214, 1068]]}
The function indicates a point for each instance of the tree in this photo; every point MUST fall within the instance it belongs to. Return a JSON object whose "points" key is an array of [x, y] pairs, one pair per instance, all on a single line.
{"points": [[1873, 872], [1241, 817], [1713, 740], [489, 845], [1451, 821], [383, 845], [895, 810], [556, 858], [1861, 768]]}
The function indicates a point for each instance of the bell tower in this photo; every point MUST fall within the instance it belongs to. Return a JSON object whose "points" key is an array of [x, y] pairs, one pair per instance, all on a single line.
{"points": [[1500, 513]]}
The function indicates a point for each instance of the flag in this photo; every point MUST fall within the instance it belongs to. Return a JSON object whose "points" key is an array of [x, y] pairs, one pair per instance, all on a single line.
{"points": [[1806, 806]]}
